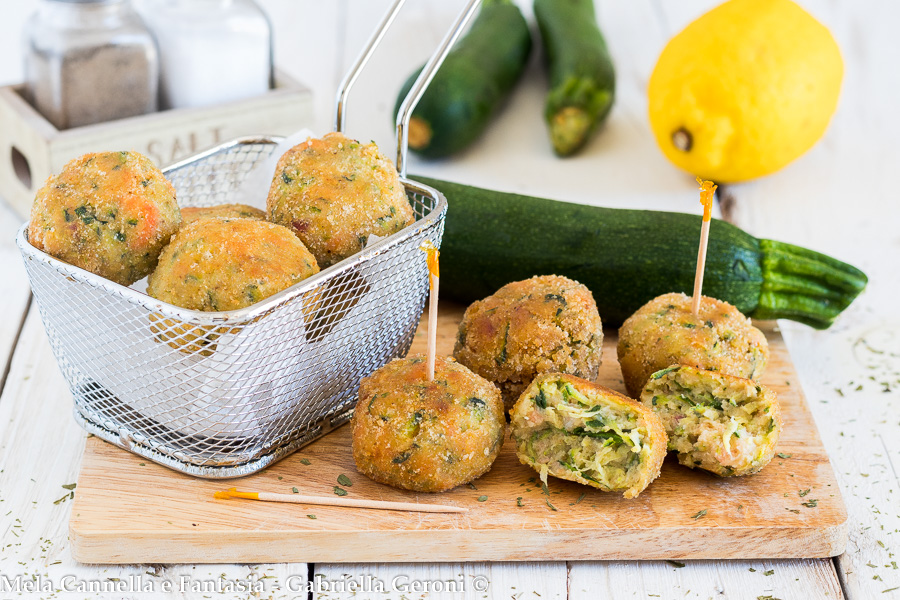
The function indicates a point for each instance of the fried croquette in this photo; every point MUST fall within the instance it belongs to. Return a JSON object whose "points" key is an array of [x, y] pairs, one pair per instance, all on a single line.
{"points": [[426, 437], [665, 332], [721, 423], [233, 211], [573, 429], [216, 264], [334, 192], [539, 325], [110, 213]]}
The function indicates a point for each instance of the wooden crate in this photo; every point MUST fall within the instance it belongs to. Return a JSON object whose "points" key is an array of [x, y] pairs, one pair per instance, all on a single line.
{"points": [[31, 148]]}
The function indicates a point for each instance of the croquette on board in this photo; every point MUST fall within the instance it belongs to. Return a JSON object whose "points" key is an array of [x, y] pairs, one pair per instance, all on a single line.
{"points": [[426, 436], [538, 325], [666, 332], [110, 213]]}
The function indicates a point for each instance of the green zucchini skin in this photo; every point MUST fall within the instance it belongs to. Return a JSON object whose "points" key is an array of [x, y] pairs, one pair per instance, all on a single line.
{"points": [[582, 76], [477, 75], [628, 257]]}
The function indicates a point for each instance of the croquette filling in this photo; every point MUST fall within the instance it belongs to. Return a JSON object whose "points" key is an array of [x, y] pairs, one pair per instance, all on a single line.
{"points": [[711, 424], [593, 441]]}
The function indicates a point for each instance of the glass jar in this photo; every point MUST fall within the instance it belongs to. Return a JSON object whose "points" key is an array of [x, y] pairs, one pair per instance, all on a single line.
{"points": [[90, 61], [211, 51]]}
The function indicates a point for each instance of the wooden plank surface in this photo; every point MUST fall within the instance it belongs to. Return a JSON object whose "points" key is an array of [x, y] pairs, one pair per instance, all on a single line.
{"points": [[702, 580], [130, 510]]}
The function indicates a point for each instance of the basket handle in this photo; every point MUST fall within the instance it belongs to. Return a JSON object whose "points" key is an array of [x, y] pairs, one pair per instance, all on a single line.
{"points": [[418, 88], [340, 117]]}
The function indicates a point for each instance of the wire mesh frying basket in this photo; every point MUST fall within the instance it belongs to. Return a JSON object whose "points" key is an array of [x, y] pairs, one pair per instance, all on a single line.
{"points": [[225, 394]]}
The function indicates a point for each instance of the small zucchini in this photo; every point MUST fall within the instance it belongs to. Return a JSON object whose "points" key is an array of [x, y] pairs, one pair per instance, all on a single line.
{"points": [[582, 77], [475, 78]]}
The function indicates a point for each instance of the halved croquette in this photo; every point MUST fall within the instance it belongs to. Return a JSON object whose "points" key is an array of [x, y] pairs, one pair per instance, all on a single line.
{"points": [[577, 430], [721, 423]]}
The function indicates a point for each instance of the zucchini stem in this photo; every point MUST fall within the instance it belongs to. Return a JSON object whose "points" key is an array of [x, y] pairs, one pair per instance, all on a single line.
{"points": [[804, 285], [569, 129]]}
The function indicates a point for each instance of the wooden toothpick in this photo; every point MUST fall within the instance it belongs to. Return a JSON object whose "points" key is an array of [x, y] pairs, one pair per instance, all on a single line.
{"points": [[707, 189], [433, 283], [338, 501]]}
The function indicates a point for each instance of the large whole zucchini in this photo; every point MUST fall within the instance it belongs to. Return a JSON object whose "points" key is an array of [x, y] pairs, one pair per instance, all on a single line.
{"points": [[475, 78], [627, 257]]}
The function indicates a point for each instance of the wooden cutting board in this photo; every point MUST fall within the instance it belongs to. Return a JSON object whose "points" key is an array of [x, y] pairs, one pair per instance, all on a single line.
{"points": [[129, 510]]}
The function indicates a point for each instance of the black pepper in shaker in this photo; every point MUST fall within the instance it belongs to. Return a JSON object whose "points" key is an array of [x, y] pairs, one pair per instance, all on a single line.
{"points": [[90, 61]]}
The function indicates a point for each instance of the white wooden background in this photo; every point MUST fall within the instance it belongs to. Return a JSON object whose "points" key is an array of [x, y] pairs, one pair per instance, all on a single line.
{"points": [[840, 198]]}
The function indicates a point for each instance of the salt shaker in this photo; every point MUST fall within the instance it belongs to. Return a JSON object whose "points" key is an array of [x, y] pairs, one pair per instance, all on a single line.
{"points": [[90, 61], [211, 51]]}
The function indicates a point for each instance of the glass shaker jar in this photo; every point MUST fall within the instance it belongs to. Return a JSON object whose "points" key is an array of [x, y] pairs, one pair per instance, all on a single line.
{"points": [[211, 51], [90, 61]]}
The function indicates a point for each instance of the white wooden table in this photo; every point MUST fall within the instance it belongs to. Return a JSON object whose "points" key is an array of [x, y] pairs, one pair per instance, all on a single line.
{"points": [[840, 198]]}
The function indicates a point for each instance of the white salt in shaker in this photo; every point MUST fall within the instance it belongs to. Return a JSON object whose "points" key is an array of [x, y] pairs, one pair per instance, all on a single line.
{"points": [[211, 51], [89, 61]]}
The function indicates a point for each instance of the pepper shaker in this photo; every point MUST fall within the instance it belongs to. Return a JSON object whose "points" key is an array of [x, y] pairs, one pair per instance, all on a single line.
{"points": [[90, 61]]}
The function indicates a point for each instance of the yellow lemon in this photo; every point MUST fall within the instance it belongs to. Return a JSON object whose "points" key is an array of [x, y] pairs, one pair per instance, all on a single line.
{"points": [[744, 90]]}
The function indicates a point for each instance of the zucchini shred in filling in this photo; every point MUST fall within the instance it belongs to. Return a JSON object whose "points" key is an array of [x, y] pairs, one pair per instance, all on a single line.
{"points": [[721, 423], [573, 429]]}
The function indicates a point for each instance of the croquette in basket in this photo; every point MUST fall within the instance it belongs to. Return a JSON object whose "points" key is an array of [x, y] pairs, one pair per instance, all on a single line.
{"points": [[334, 192], [110, 213]]}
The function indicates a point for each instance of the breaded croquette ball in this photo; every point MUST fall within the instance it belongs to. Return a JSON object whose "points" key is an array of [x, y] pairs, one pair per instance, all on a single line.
{"points": [[232, 211], [216, 264], [665, 332], [426, 437], [110, 213], [334, 192], [577, 430], [538, 325], [721, 423]]}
